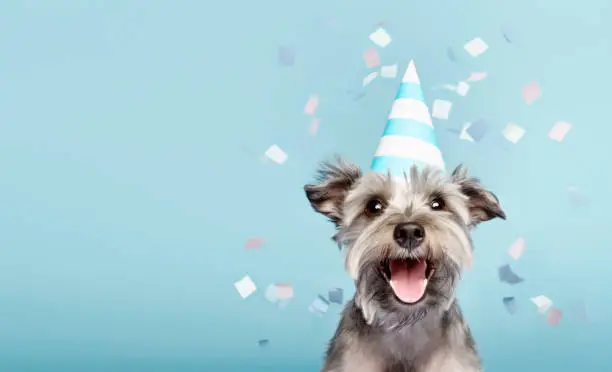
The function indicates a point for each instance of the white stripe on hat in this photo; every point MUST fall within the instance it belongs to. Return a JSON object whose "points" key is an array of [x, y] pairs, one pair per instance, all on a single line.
{"points": [[411, 149], [408, 108], [410, 76]]}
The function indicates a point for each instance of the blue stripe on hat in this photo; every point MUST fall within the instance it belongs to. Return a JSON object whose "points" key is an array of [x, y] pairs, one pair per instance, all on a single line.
{"points": [[411, 128], [410, 90], [395, 165]]}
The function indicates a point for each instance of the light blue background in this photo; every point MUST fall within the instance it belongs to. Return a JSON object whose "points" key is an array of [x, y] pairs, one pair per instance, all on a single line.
{"points": [[131, 135]]}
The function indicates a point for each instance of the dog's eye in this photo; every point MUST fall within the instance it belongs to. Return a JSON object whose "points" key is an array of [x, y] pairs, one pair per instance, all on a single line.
{"points": [[437, 204], [374, 207]]}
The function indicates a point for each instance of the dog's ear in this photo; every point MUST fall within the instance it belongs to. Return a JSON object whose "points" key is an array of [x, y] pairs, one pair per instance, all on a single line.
{"points": [[334, 180], [483, 204]]}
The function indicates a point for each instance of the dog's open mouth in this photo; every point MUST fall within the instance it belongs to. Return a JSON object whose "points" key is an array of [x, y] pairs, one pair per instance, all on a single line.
{"points": [[408, 278]]}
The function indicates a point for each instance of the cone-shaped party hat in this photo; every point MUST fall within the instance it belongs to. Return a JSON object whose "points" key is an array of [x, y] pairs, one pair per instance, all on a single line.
{"points": [[409, 137]]}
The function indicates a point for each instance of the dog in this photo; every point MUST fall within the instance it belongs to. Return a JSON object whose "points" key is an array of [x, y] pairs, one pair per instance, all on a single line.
{"points": [[407, 241]]}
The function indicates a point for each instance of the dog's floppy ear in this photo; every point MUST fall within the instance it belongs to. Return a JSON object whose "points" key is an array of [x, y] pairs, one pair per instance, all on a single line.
{"points": [[333, 184], [483, 204]]}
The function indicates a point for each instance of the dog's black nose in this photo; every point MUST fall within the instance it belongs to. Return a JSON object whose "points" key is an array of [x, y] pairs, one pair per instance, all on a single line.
{"points": [[409, 235]]}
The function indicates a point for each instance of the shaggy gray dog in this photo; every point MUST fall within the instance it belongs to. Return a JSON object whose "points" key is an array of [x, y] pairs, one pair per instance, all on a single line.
{"points": [[406, 243]]}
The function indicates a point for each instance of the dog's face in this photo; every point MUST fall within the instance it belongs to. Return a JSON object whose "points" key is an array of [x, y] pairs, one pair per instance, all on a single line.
{"points": [[406, 241]]}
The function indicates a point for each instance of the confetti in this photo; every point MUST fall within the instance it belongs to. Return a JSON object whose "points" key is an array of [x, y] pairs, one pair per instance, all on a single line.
{"points": [[441, 109], [336, 296], [271, 293], [559, 131], [388, 72], [464, 135], [510, 304], [263, 342], [517, 248], [450, 53], [513, 132], [319, 306], [450, 87], [462, 88], [476, 47], [286, 57], [531, 92], [314, 127], [476, 76], [253, 243], [368, 79], [380, 37], [554, 316], [311, 105], [580, 311], [245, 287], [508, 276], [543, 303], [284, 291], [478, 129], [576, 196], [371, 58], [276, 154]]}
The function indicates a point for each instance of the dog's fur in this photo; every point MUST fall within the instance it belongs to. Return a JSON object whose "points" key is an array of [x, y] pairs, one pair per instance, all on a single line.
{"points": [[378, 332]]}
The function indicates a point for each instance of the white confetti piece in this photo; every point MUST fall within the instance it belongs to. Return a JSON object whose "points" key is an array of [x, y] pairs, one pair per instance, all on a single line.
{"points": [[319, 306], [464, 133], [380, 37], [513, 132], [542, 302], [559, 131], [368, 79], [476, 47], [476, 76], [441, 109], [450, 87], [245, 287], [271, 293], [517, 248], [276, 154], [463, 88], [388, 72]]}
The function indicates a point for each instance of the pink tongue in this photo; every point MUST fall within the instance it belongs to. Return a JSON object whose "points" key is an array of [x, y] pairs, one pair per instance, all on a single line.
{"points": [[408, 283]]}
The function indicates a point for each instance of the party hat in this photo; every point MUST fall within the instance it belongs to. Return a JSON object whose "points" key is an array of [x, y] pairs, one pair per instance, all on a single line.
{"points": [[409, 137]]}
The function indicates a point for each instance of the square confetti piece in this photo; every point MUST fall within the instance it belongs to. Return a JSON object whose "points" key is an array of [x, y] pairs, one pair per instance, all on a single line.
{"points": [[506, 275], [388, 72], [476, 47], [264, 342], [441, 109], [543, 303], [336, 296], [253, 243], [554, 316], [464, 135], [284, 291], [276, 154], [559, 131], [271, 293], [517, 248], [311, 105], [314, 127], [286, 57], [380, 37], [531, 92], [463, 88], [368, 79], [510, 304], [371, 58], [477, 130], [513, 132], [319, 306], [245, 287], [450, 54], [476, 76]]}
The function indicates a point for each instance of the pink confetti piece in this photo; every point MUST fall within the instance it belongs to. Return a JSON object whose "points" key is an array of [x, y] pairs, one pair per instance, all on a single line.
{"points": [[554, 316], [314, 127], [311, 105], [476, 76], [531, 92], [371, 57], [254, 243], [517, 248], [284, 291], [559, 131]]}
